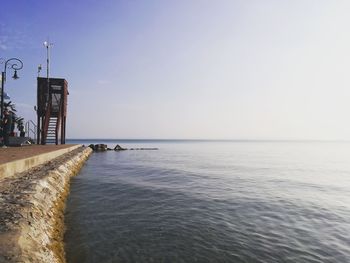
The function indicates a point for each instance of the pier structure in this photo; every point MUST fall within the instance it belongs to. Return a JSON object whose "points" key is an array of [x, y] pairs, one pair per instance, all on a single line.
{"points": [[34, 185], [20, 159]]}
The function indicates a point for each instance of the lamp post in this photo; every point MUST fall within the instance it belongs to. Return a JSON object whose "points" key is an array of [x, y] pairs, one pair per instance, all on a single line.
{"points": [[15, 64]]}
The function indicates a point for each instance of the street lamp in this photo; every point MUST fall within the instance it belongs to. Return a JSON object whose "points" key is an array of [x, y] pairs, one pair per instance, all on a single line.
{"points": [[15, 64]]}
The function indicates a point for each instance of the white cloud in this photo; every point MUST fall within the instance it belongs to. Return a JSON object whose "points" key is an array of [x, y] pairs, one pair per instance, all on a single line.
{"points": [[11, 38]]}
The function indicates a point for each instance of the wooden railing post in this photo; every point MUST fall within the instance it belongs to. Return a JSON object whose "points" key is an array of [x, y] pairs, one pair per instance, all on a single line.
{"points": [[46, 123]]}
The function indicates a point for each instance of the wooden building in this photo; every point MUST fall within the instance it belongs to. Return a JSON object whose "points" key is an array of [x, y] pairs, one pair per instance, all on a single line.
{"points": [[52, 97]]}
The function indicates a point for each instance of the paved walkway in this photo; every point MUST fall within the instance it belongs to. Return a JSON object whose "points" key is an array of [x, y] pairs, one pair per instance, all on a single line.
{"points": [[17, 153]]}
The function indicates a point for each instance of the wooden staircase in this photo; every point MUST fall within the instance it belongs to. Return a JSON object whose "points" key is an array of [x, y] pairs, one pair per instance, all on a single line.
{"points": [[52, 121], [51, 135]]}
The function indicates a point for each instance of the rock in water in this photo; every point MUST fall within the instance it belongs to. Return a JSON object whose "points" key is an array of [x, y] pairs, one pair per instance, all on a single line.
{"points": [[100, 147], [119, 148]]}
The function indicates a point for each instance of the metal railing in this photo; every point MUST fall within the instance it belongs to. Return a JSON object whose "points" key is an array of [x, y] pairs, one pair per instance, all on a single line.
{"points": [[31, 129]]}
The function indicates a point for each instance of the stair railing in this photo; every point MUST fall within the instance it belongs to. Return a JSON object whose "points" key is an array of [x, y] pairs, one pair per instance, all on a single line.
{"points": [[46, 123], [31, 129], [59, 117]]}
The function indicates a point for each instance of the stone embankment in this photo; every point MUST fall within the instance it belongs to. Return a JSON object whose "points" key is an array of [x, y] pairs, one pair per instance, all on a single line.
{"points": [[31, 210]]}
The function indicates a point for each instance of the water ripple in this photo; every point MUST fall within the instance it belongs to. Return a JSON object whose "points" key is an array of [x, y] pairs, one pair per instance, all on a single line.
{"points": [[190, 206]]}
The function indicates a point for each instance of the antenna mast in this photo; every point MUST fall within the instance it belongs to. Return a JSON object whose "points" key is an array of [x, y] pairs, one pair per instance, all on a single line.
{"points": [[48, 45]]}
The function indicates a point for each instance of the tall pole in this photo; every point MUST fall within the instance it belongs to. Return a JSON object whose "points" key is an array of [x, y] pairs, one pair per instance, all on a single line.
{"points": [[48, 60], [47, 44], [2, 93]]}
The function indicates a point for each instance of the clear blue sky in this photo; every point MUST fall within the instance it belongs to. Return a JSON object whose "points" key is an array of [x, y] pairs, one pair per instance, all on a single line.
{"points": [[226, 69]]}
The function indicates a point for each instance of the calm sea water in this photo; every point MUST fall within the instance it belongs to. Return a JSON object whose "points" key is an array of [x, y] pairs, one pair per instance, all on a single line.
{"points": [[212, 202]]}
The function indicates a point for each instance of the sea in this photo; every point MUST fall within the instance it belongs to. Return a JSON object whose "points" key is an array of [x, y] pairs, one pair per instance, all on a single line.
{"points": [[211, 201]]}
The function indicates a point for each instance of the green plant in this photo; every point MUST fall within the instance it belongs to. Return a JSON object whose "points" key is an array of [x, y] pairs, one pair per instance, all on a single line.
{"points": [[10, 106]]}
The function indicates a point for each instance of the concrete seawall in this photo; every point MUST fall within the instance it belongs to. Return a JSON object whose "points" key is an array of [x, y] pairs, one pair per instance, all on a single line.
{"points": [[15, 163], [31, 210]]}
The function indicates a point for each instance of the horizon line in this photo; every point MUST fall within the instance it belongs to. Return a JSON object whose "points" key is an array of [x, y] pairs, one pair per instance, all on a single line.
{"points": [[223, 140]]}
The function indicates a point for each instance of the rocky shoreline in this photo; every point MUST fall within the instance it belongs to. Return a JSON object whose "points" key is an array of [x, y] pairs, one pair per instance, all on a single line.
{"points": [[104, 147], [31, 210]]}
